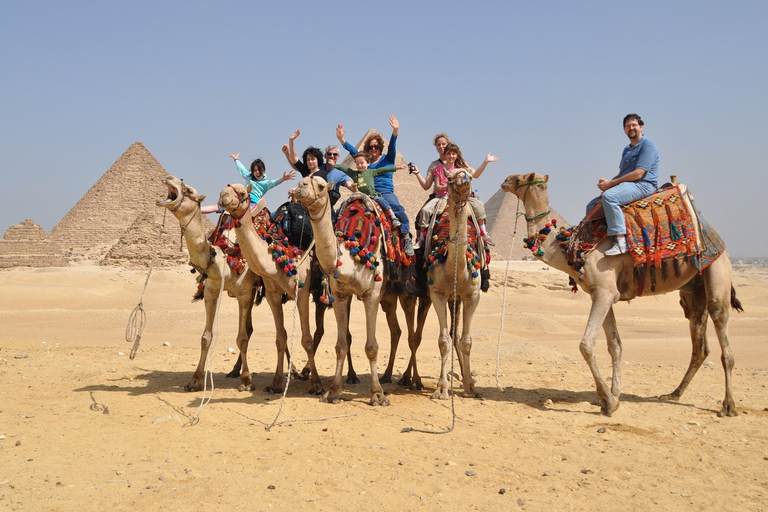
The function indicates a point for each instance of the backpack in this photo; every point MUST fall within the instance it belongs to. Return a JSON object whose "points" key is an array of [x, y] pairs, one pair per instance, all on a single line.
{"points": [[295, 224]]}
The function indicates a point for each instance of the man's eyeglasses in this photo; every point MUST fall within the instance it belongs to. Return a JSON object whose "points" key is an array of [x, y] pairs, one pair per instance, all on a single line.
{"points": [[331, 155]]}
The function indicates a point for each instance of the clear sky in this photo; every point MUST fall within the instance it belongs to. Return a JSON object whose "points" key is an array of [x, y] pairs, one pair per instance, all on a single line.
{"points": [[543, 85]]}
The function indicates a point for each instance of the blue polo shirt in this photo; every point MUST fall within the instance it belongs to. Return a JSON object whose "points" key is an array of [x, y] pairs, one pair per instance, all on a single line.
{"points": [[643, 156]]}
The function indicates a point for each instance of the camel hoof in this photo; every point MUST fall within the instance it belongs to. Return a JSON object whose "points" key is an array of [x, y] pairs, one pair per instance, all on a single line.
{"points": [[193, 386], [670, 397], [729, 410], [608, 407], [233, 374], [417, 386], [472, 394], [379, 399], [273, 389], [386, 379], [439, 395], [352, 379], [316, 391], [404, 381], [330, 399]]}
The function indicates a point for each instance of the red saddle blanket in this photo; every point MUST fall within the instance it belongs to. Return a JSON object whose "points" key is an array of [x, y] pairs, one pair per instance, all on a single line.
{"points": [[440, 233], [223, 236], [359, 228]]}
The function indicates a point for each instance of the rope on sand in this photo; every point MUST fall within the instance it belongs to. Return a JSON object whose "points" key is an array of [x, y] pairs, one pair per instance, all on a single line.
{"points": [[138, 317], [455, 240], [518, 213]]}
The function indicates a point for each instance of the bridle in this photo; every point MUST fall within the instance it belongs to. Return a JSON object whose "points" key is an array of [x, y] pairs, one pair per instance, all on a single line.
{"points": [[317, 198], [246, 200], [526, 185]]}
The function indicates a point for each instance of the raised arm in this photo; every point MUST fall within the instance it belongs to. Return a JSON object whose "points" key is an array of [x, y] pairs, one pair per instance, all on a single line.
{"points": [[391, 155], [340, 131], [488, 159], [425, 183], [292, 156]]}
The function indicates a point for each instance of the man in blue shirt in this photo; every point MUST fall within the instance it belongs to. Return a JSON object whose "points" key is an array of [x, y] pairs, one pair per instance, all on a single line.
{"points": [[637, 178]]}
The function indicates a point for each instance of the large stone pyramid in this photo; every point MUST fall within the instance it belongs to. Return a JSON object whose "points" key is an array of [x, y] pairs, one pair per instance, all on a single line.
{"points": [[507, 229], [108, 209]]}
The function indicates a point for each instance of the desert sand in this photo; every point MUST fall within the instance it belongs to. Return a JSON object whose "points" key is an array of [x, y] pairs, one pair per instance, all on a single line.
{"points": [[84, 427]]}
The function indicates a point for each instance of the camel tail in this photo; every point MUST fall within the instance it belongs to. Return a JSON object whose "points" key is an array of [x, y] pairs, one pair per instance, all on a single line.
{"points": [[735, 303]]}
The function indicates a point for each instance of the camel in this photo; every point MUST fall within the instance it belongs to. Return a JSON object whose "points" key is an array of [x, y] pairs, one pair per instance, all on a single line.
{"points": [[349, 279], [183, 202], [609, 279], [452, 280], [235, 200]]}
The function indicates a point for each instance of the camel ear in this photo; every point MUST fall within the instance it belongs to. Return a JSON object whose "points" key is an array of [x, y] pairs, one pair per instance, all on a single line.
{"points": [[330, 185], [546, 178], [249, 188]]}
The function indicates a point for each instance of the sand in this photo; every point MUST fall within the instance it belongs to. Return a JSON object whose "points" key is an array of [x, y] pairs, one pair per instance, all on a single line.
{"points": [[83, 427]]}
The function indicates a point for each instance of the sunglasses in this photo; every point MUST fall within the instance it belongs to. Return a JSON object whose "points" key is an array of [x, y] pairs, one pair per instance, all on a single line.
{"points": [[374, 146], [331, 154]]}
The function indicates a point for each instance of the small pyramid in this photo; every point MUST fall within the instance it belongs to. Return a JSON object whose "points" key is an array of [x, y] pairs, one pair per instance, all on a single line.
{"points": [[98, 220], [507, 229], [407, 188], [26, 245]]}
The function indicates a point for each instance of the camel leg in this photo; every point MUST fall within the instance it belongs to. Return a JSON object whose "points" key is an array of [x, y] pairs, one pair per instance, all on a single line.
{"points": [[307, 341], [341, 311], [469, 305], [614, 349], [717, 281], [317, 337], [694, 303], [411, 375], [351, 373], [602, 301], [210, 296], [389, 305], [274, 299], [371, 302], [244, 331], [444, 344]]}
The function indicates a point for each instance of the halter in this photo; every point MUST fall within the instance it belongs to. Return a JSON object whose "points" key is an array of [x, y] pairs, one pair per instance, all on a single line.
{"points": [[317, 198], [247, 200], [528, 184]]}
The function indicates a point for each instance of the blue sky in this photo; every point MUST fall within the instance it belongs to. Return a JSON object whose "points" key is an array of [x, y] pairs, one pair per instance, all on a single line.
{"points": [[543, 85]]}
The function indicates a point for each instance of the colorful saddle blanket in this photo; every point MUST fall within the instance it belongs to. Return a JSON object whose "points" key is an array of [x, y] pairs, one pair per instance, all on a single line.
{"points": [[441, 230], [360, 225], [663, 226], [223, 236]]}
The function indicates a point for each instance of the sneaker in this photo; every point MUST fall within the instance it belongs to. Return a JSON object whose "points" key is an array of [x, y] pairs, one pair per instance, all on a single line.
{"points": [[619, 247], [487, 239], [395, 223], [408, 245]]}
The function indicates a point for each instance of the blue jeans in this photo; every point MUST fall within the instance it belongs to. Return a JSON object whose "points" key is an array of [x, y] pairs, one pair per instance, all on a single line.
{"points": [[383, 203], [613, 198], [398, 210]]}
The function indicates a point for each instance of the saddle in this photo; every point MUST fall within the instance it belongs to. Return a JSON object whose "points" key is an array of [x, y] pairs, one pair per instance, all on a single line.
{"points": [[368, 235], [663, 227], [223, 236]]}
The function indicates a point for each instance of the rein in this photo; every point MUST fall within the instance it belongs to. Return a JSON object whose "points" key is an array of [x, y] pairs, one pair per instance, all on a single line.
{"points": [[526, 185]]}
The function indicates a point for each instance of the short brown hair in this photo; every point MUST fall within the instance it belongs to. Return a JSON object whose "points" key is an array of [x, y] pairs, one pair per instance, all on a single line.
{"points": [[363, 154]]}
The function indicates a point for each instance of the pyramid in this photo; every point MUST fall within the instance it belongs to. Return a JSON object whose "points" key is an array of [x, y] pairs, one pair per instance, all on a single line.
{"points": [[153, 233], [508, 230], [407, 188], [26, 245], [111, 206]]}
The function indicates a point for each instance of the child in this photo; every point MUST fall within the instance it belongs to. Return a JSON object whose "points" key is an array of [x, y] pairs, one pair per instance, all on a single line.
{"points": [[364, 176], [257, 179], [450, 159], [383, 183]]}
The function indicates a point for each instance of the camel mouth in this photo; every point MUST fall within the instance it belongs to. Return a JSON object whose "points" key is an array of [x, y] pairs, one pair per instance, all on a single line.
{"points": [[174, 193]]}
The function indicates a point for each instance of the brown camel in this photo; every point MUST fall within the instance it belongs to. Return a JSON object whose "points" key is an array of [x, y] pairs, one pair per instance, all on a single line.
{"points": [[183, 202], [235, 199], [451, 280], [355, 280], [609, 279]]}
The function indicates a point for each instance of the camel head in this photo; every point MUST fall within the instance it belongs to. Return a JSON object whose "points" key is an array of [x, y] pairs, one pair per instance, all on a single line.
{"points": [[528, 187], [179, 195], [312, 192], [235, 199], [459, 185]]}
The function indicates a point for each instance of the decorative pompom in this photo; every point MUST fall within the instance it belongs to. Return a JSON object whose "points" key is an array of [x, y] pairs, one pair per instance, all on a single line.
{"points": [[301, 284], [378, 277]]}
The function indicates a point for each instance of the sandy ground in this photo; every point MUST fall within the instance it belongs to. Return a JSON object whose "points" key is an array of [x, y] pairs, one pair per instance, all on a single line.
{"points": [[83, 427]]}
